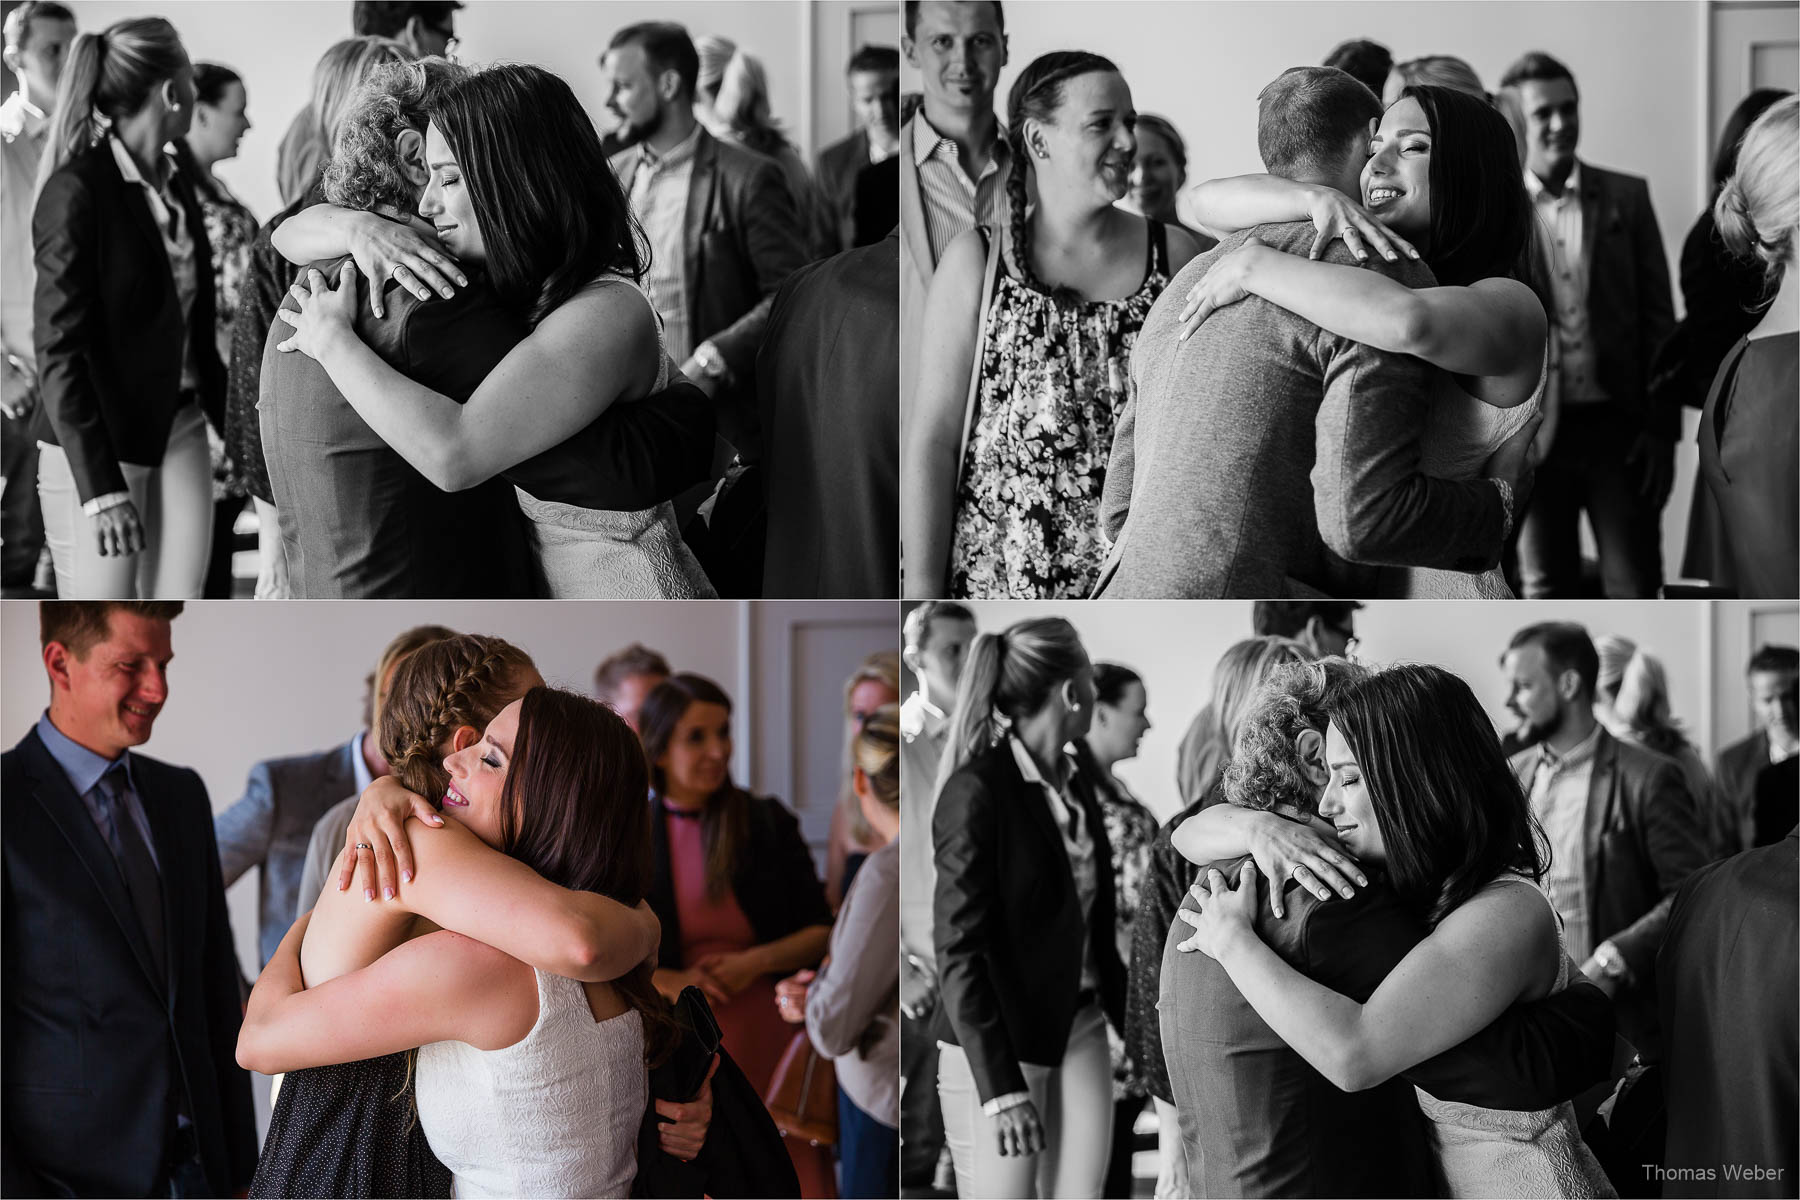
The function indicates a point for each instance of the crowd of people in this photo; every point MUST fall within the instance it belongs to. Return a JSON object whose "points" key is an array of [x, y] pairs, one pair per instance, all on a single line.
{"points": [[591, 945], [1384, 949], [1089, 408], [704, 324]]}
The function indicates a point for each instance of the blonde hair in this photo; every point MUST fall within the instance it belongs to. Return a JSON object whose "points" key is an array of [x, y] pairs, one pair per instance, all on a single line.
{"points": [[340, 72], [109, 75], [1010, 675], [877, 754], [883, 667], [1759, 206]]}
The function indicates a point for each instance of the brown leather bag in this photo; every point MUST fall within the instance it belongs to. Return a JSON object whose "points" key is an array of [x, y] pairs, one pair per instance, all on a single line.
{"points": [[803, 1094]]}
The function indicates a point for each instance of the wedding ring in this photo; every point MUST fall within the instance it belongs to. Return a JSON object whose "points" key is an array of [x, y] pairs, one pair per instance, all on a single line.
{"points": [[364, 846]]}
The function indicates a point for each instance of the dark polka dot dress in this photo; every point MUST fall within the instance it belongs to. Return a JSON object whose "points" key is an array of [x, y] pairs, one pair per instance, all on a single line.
{"points": [[348, 1130]]}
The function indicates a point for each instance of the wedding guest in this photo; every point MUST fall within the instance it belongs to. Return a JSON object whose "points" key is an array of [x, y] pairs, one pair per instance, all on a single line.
{"points": [[424, 27], [874, 683], [220, 121], [127, 359], [1158, 172], [740, 103], [626, 677], [873, 79], [1749, 431], [734, 886], [1608, 891], [1722, 297], [115, 907], [953, 158], [1024, 371], [1364, 61], [1613, 457], [1773, 680], [37, 38], [851, 1005], [1632, 701], [1120, 722], [1438, 70], [1022, 859]]}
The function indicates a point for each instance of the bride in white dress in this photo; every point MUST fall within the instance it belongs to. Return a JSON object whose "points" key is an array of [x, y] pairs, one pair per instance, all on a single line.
{"points": [[1443, 176], [521, 187]]}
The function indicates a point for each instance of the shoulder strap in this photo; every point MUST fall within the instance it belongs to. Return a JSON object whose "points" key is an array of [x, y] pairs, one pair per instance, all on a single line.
{"points": [[1159, 247], [988, 276]]}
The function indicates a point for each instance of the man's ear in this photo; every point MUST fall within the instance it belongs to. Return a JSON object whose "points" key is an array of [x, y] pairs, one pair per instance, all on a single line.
{"points": [[668, 84], [1568, 684], [409, 148], [464, 737], [910, 656], [14, 61], [1310, 745], [58, 660]]}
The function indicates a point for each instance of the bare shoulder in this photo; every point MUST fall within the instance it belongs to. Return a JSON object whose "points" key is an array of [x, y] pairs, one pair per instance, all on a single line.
{"points": [[605, 316], [1507, 917]]}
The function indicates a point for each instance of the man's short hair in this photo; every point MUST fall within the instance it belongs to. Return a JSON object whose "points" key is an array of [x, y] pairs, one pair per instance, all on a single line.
{"points": [[1566, 646], [364, 171], [1536, 65], [1265, 768], [1307, 118], [18, 21], [873, 59], [1288, 618], [1369, 62], [386, 18], [1774, 659], [635, 659], [81, 624], [912, 16], [667, 46], [917, 625]]}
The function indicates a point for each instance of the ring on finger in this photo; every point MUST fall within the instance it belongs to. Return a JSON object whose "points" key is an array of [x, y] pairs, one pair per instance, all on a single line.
{"points": [[364, 846]]}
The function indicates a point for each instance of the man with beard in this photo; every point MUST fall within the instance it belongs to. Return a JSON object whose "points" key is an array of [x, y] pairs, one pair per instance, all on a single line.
{"points": [[1622, 828], [1774, 680]]}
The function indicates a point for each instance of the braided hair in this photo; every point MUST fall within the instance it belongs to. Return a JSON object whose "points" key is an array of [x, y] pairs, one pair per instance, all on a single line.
{"points": [[463, 680], [1036, 95]]}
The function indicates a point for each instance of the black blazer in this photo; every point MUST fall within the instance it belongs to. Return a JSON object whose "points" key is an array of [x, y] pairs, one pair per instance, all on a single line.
{"points": [[837, 169], [1631, 310], [775, 882], [1727, 983], [93, 1040], [1007, 922], [109, 333]]}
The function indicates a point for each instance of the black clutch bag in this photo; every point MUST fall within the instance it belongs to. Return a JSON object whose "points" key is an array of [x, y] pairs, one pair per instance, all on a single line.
{"points": [[681, 1074]]}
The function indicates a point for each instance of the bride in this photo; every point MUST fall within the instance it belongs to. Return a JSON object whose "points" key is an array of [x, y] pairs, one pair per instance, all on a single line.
{"points": [[1443, 175]]}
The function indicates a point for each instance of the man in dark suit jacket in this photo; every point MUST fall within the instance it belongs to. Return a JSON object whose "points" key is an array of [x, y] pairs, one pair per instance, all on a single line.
{"points": [[358, 521], [1774, 680], [121, 986], [1256, 1118], [1622, 827], [1614, 457], [1265, 457], [1729, 985], [829, 396], [874, 81]]}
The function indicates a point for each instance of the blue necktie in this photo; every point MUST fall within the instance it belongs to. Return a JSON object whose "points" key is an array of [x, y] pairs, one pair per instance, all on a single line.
{"points": [[135, 863]]}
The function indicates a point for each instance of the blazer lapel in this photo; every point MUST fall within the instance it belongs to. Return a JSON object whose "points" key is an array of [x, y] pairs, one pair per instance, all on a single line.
{"points": [[132, 198], [1602, 795], [51, 791], [702, 184], [662, 887], [912, 208], [170, 851]]}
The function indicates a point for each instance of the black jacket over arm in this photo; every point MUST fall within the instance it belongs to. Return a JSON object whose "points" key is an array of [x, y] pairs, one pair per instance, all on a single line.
{"points": [[775, 881], [93, 1039], [108, 327], [1007, 922]]}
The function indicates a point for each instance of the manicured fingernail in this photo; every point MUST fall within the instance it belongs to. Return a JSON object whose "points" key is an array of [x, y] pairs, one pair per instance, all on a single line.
{"points": [[1349, 893], [449, 293], [368, 893], [406, 876], [390, 893], [1361, 881], [1392, 256]]}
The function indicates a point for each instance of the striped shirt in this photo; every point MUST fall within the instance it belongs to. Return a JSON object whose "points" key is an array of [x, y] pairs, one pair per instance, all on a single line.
{"points": [[955, 203], [1560, 217], [658, 188], [1559, 800]]}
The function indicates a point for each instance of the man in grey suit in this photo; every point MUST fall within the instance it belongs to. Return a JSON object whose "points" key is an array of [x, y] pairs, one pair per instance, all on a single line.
{"points": [[1266, 457]]}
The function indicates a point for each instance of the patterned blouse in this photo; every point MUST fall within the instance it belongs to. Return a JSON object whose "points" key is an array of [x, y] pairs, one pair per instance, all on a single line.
{"points": [[1053, 382], [1131, 831], [230, 231]]}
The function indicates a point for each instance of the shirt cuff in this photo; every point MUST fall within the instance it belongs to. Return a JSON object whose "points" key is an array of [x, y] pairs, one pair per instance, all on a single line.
{"points": [[1000, 1104], [100, 504]]}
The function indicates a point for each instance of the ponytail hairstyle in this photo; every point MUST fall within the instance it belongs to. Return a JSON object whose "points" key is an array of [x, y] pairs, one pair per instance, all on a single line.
{"points": [[440, 687], [1010, 675], [1036, 95], [883, 667], [108, 76], [1759, 205], [877, 754], [725, 821]]}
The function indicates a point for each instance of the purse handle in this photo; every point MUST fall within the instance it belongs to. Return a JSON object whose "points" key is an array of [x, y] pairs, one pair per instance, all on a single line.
{"points": [[989, 274]]}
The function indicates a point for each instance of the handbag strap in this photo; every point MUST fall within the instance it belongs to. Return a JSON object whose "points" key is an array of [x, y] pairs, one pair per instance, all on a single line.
{"points": [[989, 274]]}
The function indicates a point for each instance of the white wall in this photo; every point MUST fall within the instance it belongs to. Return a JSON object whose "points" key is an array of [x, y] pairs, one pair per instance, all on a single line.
{"points": [[1174, 645]]}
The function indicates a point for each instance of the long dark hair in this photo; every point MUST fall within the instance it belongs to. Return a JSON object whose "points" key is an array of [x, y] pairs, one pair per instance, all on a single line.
{"points": [[108, 75], [573, 811], [551, 213], [1450, 811], [1480, 214], [1036, 95], [1731, 137], [725, 821]]}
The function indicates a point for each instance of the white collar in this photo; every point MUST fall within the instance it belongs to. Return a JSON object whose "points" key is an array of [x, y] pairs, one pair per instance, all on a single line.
{"points": [[128, 166], [1538, 192]]}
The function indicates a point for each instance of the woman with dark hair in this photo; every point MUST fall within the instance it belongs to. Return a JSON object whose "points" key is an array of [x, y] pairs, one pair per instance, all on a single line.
{"points": [[733, 884], [220, 122], [128, 364], [1028, 336], [1420, 789], [1443, 176], [520, 187], [531, 866], [1025, 932]]}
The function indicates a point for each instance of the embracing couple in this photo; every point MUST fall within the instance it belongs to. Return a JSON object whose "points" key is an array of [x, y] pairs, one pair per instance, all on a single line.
{"points": [[499, 340], [1374, 996], [1378, 408]]}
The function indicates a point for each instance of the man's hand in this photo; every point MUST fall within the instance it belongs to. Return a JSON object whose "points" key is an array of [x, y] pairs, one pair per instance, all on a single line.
{"points": [[683, 1128], [1654, 458]]}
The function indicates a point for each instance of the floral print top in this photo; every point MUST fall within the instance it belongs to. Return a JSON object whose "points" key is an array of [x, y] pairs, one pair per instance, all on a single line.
{"points": [[1052, 384], [230, 231], [1131, 831]]}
